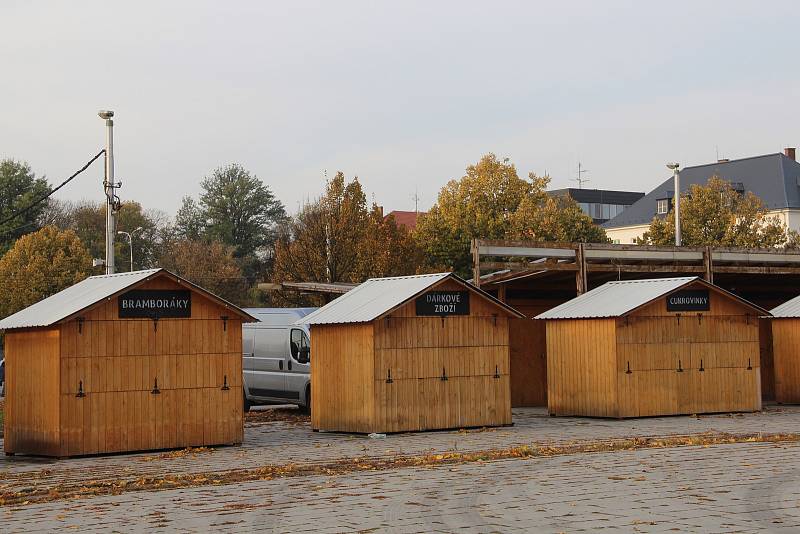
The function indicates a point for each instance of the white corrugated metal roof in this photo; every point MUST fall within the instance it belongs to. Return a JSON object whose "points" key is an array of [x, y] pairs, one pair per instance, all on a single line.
{"points": [[86, 293], [376, 296], [371, 299], [787, 309], [613, 299], [73, 299]]}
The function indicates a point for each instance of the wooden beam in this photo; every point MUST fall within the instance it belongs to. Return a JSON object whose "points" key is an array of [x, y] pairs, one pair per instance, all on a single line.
{"points": [[755, 269], [522, 266], [526, 252], [645, 255], [606, 268]]}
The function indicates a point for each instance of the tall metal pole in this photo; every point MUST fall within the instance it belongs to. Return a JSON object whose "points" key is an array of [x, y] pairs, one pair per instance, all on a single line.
{"points": [[677, 173], [108, 186]]}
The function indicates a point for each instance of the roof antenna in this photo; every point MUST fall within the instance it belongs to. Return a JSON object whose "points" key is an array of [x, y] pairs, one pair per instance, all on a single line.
{"points": [[580, 179], [416, 198]]}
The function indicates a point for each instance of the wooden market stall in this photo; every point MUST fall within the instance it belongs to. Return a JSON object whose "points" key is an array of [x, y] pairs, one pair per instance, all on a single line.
{"points": [[786, 351], [410, 353], [123, 362], [653, 347]]}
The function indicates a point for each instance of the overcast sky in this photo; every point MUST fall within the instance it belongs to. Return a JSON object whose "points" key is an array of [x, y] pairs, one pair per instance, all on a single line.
{"points": [[402, 94]]}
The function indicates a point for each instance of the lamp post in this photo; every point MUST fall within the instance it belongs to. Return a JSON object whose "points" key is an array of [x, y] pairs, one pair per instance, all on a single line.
{"points": [[130, 242], [108, 187], [676, 171]]}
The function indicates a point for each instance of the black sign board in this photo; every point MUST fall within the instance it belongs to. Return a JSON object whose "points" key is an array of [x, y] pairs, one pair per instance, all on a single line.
{"points": [[155, 304], [689, 300], [443, 303]]}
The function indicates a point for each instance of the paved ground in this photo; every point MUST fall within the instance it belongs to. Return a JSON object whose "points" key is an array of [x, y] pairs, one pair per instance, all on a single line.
{"points": [[726, 488], [280, 443]]}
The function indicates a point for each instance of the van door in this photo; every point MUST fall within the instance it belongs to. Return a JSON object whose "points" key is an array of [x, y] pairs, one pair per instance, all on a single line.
{"points": [[270, 346], [299, 363]]}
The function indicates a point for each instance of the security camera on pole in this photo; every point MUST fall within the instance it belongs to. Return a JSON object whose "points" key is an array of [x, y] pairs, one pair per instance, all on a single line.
{"points": [[676, 171], [109, 186]]}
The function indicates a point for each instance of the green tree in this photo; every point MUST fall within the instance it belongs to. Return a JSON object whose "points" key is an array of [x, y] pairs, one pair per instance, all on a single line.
{"points": [[238, 210], [718, 215], [88, 220], [41, 264], [19, 188], [189, 220]]}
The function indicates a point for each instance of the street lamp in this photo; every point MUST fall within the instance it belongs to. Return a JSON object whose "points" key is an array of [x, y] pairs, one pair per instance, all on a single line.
{"points": [[676, 171], [108, 186], [130, 242]]}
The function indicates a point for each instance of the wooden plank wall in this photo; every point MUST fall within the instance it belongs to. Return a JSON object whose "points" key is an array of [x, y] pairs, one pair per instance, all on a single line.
{"points": [[529, 351], [654, 344], [31, 422], [118, 362], [581, 367], [528, 362], [471, 351], [786, 347], [342, 384], [767, 359]]}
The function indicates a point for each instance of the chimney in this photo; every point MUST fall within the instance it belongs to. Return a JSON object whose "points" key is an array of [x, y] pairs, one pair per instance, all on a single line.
{"points": [[789, 153], [380, 209]]}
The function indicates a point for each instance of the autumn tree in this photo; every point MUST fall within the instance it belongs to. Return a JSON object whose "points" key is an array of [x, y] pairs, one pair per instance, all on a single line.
{"points": [[716, 214], [388, 249], [19, 188], [553, 218], [492, 202], [41, 264], [336, 239], [477, 205], [209, 264]]}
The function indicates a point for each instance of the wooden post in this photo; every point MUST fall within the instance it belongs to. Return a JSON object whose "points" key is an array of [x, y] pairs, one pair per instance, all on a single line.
{"points": [[580, 274], [708, 263], [501, 293], [476, 264]]}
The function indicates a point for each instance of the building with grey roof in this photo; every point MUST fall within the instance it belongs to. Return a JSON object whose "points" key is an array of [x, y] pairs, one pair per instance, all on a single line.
{"points": [[599, 204], [774, 178]]}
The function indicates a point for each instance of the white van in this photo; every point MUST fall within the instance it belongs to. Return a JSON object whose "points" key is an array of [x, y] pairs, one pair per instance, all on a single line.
{"points": [[276, 358]]}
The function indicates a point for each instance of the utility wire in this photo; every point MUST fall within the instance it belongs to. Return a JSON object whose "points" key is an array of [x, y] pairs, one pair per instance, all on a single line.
{"points": [[45, 197]]}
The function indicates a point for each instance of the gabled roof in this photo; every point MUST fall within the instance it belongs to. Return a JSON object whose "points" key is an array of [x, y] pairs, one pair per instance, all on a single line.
{"points": [[787, 309], [94, 290], [379, 296], [616, 299], [772, 177], [408, 219]]}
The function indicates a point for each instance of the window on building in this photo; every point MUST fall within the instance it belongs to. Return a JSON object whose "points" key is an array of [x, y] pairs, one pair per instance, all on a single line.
{"points": [[606, 211], [584, 207], [662, 206]]}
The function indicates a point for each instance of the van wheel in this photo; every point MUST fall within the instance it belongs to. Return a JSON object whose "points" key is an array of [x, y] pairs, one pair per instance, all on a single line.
{"points": [[246, 403]]}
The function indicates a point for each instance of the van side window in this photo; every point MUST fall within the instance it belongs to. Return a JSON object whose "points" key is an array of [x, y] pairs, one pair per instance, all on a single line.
{"points": [[300, 346]]}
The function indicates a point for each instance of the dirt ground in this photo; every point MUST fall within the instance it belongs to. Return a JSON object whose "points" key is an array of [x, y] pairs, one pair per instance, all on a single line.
{"points": [[268, 414]]}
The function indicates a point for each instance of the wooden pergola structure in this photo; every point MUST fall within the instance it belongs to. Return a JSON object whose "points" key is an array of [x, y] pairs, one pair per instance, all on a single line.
{"points": [[767, 277]]}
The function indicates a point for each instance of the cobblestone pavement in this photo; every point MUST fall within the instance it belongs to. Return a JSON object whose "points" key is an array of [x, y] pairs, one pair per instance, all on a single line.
{"points": [[280, 443], [751, 487]]}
